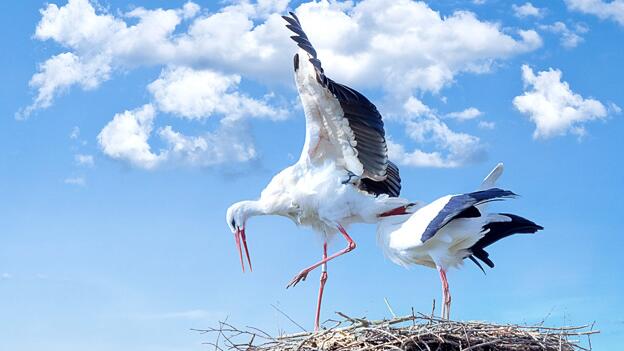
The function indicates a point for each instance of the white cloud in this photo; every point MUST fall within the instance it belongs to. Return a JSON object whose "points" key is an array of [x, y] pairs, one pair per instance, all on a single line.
{"points": [[527, 10], [425, 128], [259, 8], [197, 94], [395, 45], [487, 125], [553, 106], [569, 38], [192, 94], [613, 10], [399, 44], [402, 47], [125, 137], [228, 145], [101, 43], [59, 73], [416, 107], [84, 160], [469, 113], [79, 181], [415, 158], [190, 10]]}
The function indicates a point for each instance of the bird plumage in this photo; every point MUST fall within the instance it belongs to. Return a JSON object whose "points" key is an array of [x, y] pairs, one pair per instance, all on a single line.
{"points": [[353, 125], [450, 229], [442, 232], [343, 175]]}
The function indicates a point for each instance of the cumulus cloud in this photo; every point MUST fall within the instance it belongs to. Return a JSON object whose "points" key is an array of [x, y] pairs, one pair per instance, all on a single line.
{"points": [[400, 47], [101, 43], [397, 44], [416, 107], [469, 113], [612, 10], [226, 145], [59, 73], [569, 38], [192, 94], [127, 138], [355, 42], [426, 128], [198, 94], [553, 106], [527, 10]]}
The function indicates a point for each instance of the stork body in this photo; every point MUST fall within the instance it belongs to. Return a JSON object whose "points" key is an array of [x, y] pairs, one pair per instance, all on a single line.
{"points": [[343, 175], [450, 229], [321, 197]]}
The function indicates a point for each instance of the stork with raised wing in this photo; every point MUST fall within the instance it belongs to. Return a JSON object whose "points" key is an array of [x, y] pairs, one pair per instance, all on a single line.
{"points": [[343, 175], [452, 228]]}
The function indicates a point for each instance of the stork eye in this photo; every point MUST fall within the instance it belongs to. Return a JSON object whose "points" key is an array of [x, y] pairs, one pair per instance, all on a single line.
{"points": [[233, 223]]}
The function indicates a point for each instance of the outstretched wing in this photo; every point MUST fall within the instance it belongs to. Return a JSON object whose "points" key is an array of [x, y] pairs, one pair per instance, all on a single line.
{"points": [[340, 122]]}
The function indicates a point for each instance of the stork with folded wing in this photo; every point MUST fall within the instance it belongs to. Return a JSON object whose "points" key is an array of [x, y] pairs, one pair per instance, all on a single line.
{"points": [[452, 228]]}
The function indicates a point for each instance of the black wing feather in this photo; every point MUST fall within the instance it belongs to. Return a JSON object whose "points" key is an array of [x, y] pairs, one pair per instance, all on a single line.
{"points": [[496, 231], [391, 185], [458, 204], [364, 118]]}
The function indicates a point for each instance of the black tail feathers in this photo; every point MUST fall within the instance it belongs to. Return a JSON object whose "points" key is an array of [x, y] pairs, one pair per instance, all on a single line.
{"points": [[497, 231]]}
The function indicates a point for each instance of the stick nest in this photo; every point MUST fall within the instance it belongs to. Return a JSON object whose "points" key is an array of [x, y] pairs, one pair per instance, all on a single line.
{"points": [[410, 333]]}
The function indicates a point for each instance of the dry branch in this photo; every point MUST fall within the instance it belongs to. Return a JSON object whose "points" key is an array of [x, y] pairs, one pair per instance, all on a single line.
{"points": [[409, 333]]}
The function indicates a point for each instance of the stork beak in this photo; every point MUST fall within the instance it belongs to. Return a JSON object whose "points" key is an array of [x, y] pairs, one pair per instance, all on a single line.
{"points": [[240, 236]]}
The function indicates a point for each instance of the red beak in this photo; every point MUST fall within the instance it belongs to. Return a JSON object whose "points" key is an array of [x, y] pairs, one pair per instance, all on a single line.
{"points": [[240, 236]]}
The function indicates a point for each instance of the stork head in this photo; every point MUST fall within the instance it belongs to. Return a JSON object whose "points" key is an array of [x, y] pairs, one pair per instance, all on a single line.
{"points": [[236, 217]]}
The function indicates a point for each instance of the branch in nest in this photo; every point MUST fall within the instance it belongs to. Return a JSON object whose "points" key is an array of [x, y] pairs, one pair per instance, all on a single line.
{"points": [[416, 332]]}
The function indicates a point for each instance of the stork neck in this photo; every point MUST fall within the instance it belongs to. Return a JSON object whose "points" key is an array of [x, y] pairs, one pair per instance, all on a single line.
{"points": [[254, 208]]}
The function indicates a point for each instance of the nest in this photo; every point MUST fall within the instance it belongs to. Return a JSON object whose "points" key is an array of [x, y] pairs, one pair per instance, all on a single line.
{"points": [[416, 332]]}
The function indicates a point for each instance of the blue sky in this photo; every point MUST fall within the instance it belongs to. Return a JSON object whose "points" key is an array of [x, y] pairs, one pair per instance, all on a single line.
{"points": [[117, 168]]}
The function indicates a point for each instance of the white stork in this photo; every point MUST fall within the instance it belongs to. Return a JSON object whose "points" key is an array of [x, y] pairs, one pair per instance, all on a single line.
{"points": [[343, 175], [454, 227]]}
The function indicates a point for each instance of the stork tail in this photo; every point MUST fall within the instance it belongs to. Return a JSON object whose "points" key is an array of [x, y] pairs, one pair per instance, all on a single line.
{"points": [[497, 231]]}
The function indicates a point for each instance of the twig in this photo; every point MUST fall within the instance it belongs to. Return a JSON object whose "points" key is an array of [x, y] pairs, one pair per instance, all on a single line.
{"points": [[416, 332], [389, 308], [287, 316]]}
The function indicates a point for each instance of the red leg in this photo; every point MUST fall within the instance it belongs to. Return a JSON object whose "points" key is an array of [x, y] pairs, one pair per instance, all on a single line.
{"points": [[446, 295], [317, 319], [304, 273]]}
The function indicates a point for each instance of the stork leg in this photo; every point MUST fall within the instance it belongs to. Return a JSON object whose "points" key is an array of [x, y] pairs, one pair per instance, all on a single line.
{"points": [[317, 319], [446, 294], [304, 273]]}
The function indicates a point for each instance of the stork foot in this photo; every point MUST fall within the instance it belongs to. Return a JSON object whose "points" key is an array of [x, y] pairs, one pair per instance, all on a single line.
{"points": [[299, 277]]}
